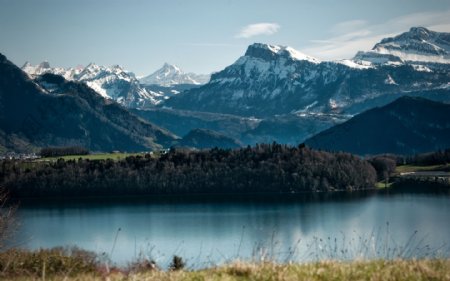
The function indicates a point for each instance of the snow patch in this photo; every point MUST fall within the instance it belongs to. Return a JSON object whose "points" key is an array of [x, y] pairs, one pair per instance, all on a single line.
{"points": [[421, 68], [390, 81], [355, 64]]}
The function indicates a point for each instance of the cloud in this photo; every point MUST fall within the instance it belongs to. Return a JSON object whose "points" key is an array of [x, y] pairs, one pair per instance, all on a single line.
{"points": [[349, 37], [263, 28]]}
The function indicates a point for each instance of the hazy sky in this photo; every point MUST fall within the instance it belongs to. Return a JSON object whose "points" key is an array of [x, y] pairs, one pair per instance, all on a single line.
{"points": [[200, 35]]}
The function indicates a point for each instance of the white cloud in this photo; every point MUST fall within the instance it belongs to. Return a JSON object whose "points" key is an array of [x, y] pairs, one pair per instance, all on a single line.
{"points": [[349, 37], [263, 28]]}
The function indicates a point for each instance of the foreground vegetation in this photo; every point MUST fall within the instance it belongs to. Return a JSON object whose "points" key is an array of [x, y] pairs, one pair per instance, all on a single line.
{"points": [[75, 264], [362, 270]]}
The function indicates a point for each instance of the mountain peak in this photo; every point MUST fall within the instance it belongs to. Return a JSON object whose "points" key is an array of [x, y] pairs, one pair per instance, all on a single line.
{"points": [[419, 30], [44, 64], [418, 45], [170, 74], [269, 52], [91, 65], [26, 64], [171, 66]]}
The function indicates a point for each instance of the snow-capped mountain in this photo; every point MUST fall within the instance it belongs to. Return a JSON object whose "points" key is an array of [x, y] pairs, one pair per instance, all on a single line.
{"points": [[418, 46], [73, 114], [117, 84], [44, 67], [169, 75], [110, 82], [270, 80]]}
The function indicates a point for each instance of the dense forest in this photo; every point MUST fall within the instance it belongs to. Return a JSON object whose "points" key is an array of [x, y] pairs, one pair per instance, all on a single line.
{"points": [[263, 168], [440, 157]]}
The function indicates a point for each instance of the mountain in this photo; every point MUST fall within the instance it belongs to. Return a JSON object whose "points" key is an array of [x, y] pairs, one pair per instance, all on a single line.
{"points": [[51, 111], [275, 80], [181, 122], [408, 125], [419, 46], [203, 139], [44, 67], [113, 83], [289, 128], [165, 92], [169, 75]]}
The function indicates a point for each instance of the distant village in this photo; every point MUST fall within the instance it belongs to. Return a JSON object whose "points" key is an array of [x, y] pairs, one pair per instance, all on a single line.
{"points": [[22, 156]]}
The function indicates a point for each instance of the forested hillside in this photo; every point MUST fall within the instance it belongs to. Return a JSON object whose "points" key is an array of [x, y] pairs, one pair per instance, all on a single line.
{"points": [[263, 168]]}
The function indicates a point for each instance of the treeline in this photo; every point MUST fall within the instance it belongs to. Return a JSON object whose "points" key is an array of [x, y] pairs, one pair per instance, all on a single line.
{"points": [[63, 151], [440, 157], [263, 168], [384, 166]]}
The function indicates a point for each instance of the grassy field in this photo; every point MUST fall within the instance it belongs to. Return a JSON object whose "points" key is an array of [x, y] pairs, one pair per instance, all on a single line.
{"points": [[99, 156], [382, 184], [327, 270], [414, 168]]}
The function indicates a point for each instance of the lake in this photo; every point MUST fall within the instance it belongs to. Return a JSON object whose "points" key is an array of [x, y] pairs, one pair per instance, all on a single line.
{"points": [[209, 230]]}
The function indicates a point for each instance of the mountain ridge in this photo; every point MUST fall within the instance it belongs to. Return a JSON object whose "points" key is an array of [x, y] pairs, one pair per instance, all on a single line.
{"points": [[269, 80], [408, 125], [419, 45], [51, 111]]}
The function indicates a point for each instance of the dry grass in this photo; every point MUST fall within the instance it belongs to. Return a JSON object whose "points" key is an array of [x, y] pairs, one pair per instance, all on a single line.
{"points": [[30, 265], [437, 269]]}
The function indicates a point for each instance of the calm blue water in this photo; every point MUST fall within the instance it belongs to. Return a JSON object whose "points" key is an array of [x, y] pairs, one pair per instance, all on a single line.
{"points": [[207, 231]]}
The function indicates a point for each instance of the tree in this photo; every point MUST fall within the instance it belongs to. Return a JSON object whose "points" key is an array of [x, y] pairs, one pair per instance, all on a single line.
{"points": [[7, 222]]}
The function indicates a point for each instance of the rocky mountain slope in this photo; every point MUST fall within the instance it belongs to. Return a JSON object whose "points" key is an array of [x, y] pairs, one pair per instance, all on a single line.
{"points": [[271, 80], [419, 46]]}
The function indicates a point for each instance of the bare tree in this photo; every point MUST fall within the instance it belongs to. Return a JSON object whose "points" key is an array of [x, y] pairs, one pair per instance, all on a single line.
{"points": [[7, 218]]}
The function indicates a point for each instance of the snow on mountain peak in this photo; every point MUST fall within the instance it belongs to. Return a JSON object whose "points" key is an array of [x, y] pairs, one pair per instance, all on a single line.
{"points": [[418, 45], [170, 74], [421, 31], [43, 67], [110, 82], [171, 67], [299, 55], [268, 52]]}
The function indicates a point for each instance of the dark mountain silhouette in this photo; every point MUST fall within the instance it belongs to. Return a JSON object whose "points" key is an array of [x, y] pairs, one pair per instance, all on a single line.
{"points": [[408, 125]]}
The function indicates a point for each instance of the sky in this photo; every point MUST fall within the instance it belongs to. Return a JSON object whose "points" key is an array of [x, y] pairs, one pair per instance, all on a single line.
{"points": [[201, 36]]}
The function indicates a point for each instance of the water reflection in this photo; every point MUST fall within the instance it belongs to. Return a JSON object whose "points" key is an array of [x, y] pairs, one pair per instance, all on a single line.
{"points": [[211, 230]]}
